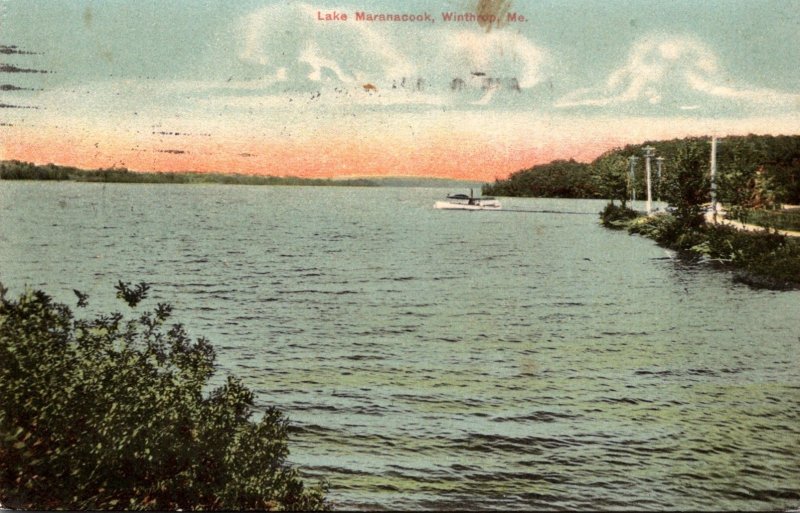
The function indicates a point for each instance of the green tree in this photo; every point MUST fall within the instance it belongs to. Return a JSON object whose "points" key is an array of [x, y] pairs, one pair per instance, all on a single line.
{"points": [[686, 184], [557, 179], [741, 181], [783, 165], [109, 413], [610, 172]]}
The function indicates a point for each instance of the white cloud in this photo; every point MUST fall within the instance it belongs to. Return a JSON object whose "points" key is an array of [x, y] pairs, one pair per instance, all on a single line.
{"points": [[314, 57], [295, 47], [299, 52], [496, 53], [678, 69], [753, 95], [299, 63]]}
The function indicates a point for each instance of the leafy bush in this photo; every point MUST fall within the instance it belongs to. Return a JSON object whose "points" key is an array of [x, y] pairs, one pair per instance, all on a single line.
{"points": [[669, 231], [617, 216], [741, 247], [111, 413], [659, 228], [766, 258], [763, 259], [781, 266], [721, 242]]}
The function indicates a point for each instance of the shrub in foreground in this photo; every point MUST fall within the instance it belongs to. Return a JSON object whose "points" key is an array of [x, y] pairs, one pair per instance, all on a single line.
{"points": [[111, 413], [617, 216], [763, 259]]}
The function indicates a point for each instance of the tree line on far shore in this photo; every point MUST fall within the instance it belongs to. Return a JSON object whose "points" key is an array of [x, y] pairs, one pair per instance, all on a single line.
{"points": [[755, 171], [17, 170]]}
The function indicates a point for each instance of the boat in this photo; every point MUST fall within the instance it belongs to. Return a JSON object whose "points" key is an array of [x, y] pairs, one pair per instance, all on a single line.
{"points": [[464, 202]]}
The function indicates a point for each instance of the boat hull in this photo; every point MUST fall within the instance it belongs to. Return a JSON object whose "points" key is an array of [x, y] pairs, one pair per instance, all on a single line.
{"points": [[447, 205]]}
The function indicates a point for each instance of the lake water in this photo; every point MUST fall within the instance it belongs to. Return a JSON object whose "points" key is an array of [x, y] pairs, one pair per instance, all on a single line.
{"points": [[443, 359]]}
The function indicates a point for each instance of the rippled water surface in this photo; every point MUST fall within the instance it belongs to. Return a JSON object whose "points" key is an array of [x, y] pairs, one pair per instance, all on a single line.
{"points": [[441, 359]]}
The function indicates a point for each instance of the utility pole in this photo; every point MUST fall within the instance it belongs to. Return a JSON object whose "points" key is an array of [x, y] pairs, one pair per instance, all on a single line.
{"points": [[714, 176], [632, 177], [649, 151], [659, 166]]}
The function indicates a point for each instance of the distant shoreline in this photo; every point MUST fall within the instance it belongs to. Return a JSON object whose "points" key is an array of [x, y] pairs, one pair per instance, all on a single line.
{"points": [[15, 170]]}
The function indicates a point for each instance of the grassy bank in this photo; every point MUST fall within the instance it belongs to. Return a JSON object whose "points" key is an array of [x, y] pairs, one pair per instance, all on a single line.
{"points": [[780, 219], [761, 259]]}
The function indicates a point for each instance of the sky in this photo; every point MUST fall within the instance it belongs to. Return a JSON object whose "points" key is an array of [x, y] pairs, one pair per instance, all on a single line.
{"points": [[272, 87]]}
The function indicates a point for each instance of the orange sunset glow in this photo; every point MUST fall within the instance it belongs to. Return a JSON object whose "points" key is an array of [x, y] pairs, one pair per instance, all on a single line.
{"points": [[477, 149], [465, 155], [331, 99]]}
